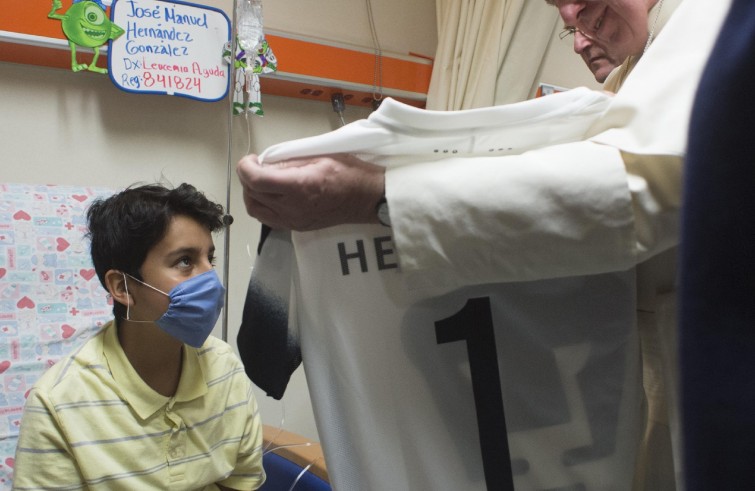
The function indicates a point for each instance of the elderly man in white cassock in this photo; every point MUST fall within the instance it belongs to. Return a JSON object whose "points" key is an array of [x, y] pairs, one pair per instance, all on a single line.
{"points": [[484, 299]]}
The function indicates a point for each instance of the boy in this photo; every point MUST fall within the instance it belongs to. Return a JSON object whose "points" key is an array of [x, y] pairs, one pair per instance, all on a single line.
{"points": [[152, 401]]}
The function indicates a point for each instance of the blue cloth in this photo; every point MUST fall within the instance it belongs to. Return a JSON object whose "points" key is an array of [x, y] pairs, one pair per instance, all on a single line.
{"points": [[717, 310], [282, 473]]}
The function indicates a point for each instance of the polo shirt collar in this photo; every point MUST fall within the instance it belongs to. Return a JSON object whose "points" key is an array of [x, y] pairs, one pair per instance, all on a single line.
{"points": [[144, 400]]}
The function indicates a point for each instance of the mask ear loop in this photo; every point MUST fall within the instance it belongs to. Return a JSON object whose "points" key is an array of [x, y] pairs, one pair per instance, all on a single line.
{"points": [[128, 297], [128, 305]]}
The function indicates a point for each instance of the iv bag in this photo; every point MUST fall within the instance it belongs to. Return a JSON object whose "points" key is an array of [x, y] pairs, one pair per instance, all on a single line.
{"points": [[249, 20]]}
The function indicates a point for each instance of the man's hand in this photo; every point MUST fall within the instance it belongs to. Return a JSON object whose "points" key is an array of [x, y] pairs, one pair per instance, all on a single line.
{"points": [[311, 193]]}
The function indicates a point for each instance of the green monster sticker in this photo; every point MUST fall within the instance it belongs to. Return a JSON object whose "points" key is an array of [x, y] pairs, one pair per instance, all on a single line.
{"points": [[85, 24]]}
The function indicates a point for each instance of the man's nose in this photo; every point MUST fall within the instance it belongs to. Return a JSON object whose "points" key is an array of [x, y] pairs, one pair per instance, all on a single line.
{"points": [[581, 42]]}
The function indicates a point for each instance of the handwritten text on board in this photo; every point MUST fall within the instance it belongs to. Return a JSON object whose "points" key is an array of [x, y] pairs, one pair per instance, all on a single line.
{"points": [[170, 48]]}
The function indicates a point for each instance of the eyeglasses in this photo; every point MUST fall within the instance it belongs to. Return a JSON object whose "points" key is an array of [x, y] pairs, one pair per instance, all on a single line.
{"points": [[571, 30]]}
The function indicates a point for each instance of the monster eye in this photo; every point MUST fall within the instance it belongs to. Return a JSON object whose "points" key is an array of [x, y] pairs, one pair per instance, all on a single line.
{"points": [[94, 15]]}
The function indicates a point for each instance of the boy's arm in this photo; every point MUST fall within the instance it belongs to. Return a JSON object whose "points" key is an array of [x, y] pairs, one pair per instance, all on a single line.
{"points": [[248, 473], [43, 457]]}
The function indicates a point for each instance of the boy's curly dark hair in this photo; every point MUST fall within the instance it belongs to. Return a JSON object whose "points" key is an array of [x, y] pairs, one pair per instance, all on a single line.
{"points": [[125, 226]]}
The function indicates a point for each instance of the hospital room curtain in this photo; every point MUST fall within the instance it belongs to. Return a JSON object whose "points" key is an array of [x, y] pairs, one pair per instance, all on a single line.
{"points": [[489, 51]]}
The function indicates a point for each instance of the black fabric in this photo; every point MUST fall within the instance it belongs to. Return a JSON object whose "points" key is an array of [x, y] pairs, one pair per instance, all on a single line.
{"points": [[717, 309], [268, 348]]}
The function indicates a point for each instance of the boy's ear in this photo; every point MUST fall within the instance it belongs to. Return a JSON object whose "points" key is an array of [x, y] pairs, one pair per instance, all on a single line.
{"points": [[116, 286]]}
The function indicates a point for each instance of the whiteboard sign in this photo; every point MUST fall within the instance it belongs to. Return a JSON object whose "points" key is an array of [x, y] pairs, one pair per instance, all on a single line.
{"points": [[170, 47]]}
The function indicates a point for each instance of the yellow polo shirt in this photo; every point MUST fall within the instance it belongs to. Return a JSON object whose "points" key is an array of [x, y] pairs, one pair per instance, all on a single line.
{"points": [[91, 422]]}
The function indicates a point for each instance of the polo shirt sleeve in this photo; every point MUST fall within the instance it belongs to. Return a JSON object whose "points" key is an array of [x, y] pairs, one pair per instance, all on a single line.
{"points": [[43, 457], [248, 472]]}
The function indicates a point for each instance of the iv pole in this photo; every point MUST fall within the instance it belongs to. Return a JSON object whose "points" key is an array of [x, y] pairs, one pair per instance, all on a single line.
{"points": [[228, 219]]}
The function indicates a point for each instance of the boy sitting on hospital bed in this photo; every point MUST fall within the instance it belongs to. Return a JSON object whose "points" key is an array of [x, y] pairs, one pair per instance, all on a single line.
{"points": [[152, 401]]}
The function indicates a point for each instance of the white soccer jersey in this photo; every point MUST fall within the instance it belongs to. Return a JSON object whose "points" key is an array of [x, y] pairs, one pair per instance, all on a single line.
{"points": [[422, 395], [428, 381]]}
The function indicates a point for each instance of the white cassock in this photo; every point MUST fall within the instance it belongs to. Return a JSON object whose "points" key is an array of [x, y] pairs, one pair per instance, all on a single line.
{"points": [[491, 335]]}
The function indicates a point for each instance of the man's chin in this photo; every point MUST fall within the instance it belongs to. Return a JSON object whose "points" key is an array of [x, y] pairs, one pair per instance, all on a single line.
{"points": [[601, 78], [601, 72]]}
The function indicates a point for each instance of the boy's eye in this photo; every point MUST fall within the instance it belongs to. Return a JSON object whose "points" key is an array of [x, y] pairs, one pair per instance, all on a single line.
{"points": [[184, 261]]}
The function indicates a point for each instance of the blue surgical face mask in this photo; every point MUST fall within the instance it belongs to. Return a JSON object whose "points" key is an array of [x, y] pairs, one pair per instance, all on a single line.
{"points": [[194, 308]]}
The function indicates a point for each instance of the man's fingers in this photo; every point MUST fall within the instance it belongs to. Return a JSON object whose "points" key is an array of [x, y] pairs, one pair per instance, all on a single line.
{"points": [[246, 167], [262, 212], [276, 179]]}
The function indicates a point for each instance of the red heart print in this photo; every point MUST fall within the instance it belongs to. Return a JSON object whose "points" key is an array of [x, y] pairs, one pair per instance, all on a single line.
{"points": [[79, 197], [10, 462], [67, 331], [21, 215], [87, 274], [4, 365], [62, 244], [2, 272], [25, 303]]}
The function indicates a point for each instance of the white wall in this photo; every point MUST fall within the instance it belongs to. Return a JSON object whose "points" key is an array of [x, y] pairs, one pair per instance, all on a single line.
{"points": [[403, 26]]}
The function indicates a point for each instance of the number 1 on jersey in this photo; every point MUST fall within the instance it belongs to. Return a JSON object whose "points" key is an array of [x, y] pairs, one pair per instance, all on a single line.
{"points": [[474, 324]]}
